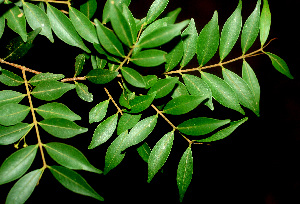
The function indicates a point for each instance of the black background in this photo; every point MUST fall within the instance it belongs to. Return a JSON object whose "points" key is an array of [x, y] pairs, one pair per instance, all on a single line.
{"points": [[258, 163]]}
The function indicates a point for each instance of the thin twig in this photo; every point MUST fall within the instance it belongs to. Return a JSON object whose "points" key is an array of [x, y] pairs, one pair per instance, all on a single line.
{"points": [[73, 79], [19, 67], [112, 99]]}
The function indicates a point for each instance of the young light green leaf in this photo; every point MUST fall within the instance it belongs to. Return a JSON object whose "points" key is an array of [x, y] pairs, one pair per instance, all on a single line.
{"points": [[51, 90], [13, 113], [17, 164], [114, 154], [157, 7], [208, 41], [251, 29], [74, 182], [241, 89], [120, 25], [280, 65], [160, 154], [250, 78], [10, 79], [189, 37], [9, 96], [149, 58], [11, 134], [133, 77], [16, 21], [61, 128], [131, 21], [69, 157], [141, 103], [104, 131], [98, 112], [127, 121], [163, 87], [224, 132], [174, 56], [89, 8], [184, 172], [83, 92], [231, 32], [83, 25], [64, 29], [37, 18], [144, 151], [56, 110], [101, 76], [24, 187], [201, 126], [265, 22], [222, 92], [109, 40], [173, 15], [39, 78], [183, 104]]}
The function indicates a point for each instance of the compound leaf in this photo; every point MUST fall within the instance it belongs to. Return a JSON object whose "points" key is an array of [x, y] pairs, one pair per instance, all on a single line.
{"points": [[13, 113], [98, 112], [10, 79], [61, 128], [157, 7], [149, 58], [265, 22], [39, 78], [280, 65], [133, 77], [159, 154], [17, 164], [11, 134], [127, 121], [83, 92], [101, 76], [73, 181], [163, 87], [9, 96], [69, 157]]}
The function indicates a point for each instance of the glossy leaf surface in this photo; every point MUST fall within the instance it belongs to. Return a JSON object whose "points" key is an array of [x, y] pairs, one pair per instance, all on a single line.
{"points": [[11, 134], [43, 77], [127, 121], [133, 77], [280, 65], [140, 103], [83, 92], [9, 96], [98, 112], [16, 23], [144, 151], [10, 79], [163, 87], [174, 57], [149, 58], [265, 22], [89, 8], [13, 113], [157, 7], [101, 76]]}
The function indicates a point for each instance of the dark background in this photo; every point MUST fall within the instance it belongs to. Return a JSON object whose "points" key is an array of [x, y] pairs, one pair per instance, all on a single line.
{"points": [[257, 164]]}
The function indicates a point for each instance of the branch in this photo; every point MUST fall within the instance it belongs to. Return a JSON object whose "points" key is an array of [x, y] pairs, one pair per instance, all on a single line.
{"points": [[73, 79], [23, 68], [111, 98]]}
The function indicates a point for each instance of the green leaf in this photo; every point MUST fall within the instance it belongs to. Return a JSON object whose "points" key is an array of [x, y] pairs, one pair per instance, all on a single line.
{"points": [[196, 86], [120, 25], [64, 29], [173, 15], [180, 90], [13, 113], [101, 76], [17, 48], [183, 104], [184, 172], [201, 126], [16, 21], [17, 164], [140, 132], [174, 57], [51, 90], [2, 25], [156, 8], [83, 25], [208, 41], [9, 96], [10, 79], [127, 121], [98, 112], [11, 134], [89, 8], [131, 21], [159, 154], [141, 103], [39, 78], [56, 110], [251, 29], [224, 132], [222, 92], [163, 87], [109, 40], [133, 77], [189, 37], [231, 32], [69, 157], [113, 155], [241, 89], [74, 182], [24, 187], [150, 80], [163, 35], [104, 131], [149, 58], [144, 151], [106, 9], [265, 22], [37, 18], [61, 128], [280, 65], [83, 92], [250, 78]]}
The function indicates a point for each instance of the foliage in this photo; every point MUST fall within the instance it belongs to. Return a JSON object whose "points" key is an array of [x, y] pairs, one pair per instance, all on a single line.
{"points": [[119, 48]]}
